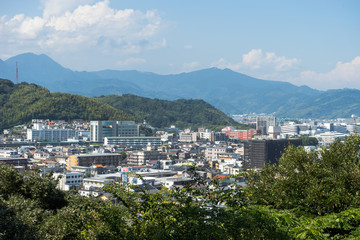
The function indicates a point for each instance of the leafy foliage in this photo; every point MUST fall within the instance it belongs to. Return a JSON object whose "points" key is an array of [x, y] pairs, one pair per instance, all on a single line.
{"points": [[313, 183], [309, 141], [22, 102]]}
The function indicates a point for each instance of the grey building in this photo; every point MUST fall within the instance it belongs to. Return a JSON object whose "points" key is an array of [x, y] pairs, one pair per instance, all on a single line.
{"points": [[101, 129], [127, 129], [264, 122], [257, 153]]}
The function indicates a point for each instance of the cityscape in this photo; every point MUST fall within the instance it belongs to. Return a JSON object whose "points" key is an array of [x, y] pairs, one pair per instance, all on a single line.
{"points": [[168, 120]]}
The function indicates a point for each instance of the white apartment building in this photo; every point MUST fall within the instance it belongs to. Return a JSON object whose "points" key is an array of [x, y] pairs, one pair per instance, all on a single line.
{"points": [[133, 141], [143, 157], [9, 154], [212, 152], [52, 135], [69, 180]]}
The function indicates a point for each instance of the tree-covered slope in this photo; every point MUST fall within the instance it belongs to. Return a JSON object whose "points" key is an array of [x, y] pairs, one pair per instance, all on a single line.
{"points": [[19, 103], [163, 113]]}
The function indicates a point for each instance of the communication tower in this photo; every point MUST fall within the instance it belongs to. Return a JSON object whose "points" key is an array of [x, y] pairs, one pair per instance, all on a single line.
{"points": [[17, 73]]}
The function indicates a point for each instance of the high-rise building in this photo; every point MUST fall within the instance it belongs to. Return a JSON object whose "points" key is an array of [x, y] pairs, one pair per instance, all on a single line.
{"points": [[127, 129], [259, 152], [101, 129], [264, 122]]}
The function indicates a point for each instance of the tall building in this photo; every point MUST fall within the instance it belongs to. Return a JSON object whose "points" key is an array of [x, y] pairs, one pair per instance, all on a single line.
{"points": [[127, 129], [259, 152], [264, 122], [101, 129]]}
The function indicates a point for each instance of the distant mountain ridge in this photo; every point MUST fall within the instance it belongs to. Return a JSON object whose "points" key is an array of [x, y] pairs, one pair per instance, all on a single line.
{"points": [[227, 90]]}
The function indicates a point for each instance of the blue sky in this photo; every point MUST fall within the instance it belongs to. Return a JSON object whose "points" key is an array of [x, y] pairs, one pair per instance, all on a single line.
{"points": [[314, 43]]}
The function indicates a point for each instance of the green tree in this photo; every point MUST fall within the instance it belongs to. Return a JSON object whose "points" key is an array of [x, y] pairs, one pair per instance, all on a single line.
{"points": [[313, 183]]}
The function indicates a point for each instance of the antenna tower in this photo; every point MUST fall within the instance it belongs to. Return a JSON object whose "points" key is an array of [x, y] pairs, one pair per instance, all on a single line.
{"points": [[17, 73]]}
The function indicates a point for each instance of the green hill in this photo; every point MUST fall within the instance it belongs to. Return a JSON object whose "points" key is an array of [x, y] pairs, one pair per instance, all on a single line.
{"points": [[163, 113], [330, 104], [19, 103]]}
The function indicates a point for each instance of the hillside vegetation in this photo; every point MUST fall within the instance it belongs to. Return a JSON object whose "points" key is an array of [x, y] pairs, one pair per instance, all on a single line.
{"points": [[19, 103], [163, 113]]}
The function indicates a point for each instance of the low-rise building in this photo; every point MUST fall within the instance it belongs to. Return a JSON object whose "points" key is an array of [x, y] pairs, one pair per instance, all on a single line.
{"points": [[212, 152], [87, 160], [9, 154], [52, 134], [15, 161], [239, 134], [142, 157], [69, 180], [132, 141]]}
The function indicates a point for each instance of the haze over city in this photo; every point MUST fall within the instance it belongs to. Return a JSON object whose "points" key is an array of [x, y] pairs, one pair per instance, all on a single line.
{"points": [[305, 43]]}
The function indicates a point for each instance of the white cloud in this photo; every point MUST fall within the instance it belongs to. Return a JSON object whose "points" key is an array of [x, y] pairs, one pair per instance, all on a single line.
{"points": [[30, 27], [256, 60], [59, 7], [188, 47], [77, 26], [270, 66], [344, 75]]}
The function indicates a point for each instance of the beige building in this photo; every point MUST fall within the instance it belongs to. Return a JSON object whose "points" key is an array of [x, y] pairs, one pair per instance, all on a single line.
{"points": [[142, 157], [86, 160]]}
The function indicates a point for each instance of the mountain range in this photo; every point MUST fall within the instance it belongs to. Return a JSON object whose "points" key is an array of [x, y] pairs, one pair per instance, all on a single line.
{"points": [[229, 91]]}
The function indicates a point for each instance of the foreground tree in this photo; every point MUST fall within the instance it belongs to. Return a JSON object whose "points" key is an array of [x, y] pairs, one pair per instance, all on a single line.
{"points": [[312, 183]]}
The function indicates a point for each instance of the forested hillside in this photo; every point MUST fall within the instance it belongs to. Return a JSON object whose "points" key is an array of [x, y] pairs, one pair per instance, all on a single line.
{"points": [[163, 113], [19, 103]]}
